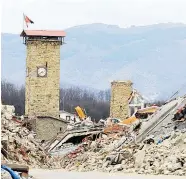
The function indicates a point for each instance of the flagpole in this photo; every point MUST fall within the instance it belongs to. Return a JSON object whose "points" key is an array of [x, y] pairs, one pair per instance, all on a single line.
{"points": [[23, 21]]}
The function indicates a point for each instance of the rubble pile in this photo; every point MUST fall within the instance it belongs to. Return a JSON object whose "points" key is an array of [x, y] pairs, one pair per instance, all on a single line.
{"points": [[86, 123], [115, 149], [163, 151], [18, 143], [165, 157], [5, 175], [93, 155]]}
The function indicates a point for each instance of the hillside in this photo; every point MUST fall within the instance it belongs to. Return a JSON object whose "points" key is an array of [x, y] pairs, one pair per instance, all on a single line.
{"points": [[153, 57]]}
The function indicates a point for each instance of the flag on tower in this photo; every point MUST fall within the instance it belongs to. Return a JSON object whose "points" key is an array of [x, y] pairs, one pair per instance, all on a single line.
{"points": [[28, 20]]}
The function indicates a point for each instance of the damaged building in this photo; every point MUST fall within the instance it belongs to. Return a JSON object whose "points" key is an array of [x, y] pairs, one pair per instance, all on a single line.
{"points": [[68, 116], [43, 81], [125, 100], [47, 127], [136, 102]]}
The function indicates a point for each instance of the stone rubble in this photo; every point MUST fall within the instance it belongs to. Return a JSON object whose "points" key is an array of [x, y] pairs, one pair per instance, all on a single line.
{"points": [[168, 157], [111, 153], [19, 144]]}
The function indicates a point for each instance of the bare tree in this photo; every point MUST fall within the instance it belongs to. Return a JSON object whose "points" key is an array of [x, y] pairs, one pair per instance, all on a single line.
{"points": [[13, 95], [96, 104]]}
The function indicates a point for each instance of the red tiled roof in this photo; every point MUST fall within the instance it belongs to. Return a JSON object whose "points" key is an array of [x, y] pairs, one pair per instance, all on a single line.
{"points": [[50, 33]]}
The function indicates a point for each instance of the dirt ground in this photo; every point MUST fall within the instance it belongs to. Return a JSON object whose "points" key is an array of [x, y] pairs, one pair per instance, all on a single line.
{"points": [[59, 174]]}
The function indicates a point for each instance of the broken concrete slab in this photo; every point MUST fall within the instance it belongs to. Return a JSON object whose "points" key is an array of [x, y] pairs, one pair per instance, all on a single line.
{"points": [[64, 137], [160, 118]]}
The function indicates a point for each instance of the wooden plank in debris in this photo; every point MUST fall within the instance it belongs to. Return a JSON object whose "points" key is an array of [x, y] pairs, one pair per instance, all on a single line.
{"points": [[114, 129], [22, 169], [18, 168], [41, 148]]}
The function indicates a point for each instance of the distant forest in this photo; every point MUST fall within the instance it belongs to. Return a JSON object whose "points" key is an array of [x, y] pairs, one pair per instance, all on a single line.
{"points": [[96, 103]]}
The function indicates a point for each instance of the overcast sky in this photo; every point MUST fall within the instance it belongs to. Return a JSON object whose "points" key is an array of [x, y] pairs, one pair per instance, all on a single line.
{"points": [[62, 14]]}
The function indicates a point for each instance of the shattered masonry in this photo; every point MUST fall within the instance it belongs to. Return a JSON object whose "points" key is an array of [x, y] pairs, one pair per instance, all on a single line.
{"points": [[18, 144], [163, 153]]}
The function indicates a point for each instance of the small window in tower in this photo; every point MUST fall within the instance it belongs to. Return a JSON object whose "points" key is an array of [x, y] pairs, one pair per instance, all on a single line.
{"points": [[46, 64]]}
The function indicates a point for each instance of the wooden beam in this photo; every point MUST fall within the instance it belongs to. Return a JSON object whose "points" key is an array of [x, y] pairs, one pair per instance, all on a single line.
{"points": [[18, 168]]}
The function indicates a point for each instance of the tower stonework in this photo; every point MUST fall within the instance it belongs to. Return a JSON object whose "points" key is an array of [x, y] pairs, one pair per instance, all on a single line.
{"points": [[42, 72], [120, 93]]}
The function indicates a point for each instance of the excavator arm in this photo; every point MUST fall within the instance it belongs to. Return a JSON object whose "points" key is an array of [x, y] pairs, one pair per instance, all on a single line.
{"points": [[81, 113]]}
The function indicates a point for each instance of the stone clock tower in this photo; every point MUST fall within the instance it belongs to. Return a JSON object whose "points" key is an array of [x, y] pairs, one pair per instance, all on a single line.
{"points": [[42, 72]]}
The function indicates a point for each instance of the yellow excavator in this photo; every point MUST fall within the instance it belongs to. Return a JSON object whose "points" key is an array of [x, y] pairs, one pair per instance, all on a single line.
{"points": [[81, 112]]}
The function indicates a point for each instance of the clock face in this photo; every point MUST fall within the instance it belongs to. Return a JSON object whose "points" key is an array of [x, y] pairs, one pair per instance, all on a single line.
{"points": [[41, 71]]}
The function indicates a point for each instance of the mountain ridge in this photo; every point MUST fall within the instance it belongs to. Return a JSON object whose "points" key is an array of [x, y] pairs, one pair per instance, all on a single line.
{"points": [[96, 54]]}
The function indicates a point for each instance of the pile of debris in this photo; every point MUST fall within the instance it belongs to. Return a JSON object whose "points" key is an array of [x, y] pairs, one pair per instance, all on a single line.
{"points": [[84, 124], [110, 149], [93, 155], [162, 152], [19, 144], [112, 154], [87, 123]]}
